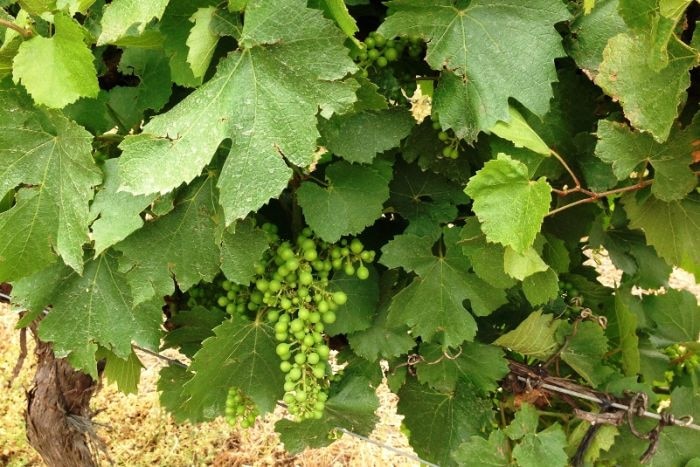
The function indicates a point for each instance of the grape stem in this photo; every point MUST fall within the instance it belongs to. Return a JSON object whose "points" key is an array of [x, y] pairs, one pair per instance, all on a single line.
{"points": [[24, 32]]}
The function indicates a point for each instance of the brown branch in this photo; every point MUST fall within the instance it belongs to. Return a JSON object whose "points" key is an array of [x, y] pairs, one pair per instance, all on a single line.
{"points": [[566, 167], [26, 33], [595, 196]]}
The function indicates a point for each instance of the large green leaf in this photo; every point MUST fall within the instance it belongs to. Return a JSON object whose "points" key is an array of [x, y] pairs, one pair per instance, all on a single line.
{"points": [[363, 297], [509, 205], [70, 60], [585, 350], [95, 309], [49, 158], [128, 18], [264, 97], [202, 41], [358, 137], [483, 366], [116, 213], [673, 229], [533, 337], [651, 100], [241, 354], [487, 259], [182, 244], [590, 34], [479, 452], [242, 245], [432, 305], [352, 200], [627, 151], [440, 421], [489, 68], [676, 315]]}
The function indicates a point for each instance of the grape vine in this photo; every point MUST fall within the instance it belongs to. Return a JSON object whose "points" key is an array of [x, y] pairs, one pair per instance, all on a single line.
{"points": [[407, 190]]}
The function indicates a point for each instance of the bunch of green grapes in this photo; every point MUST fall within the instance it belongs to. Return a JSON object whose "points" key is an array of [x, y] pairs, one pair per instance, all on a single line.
{"points": [[240, 407], [452, 143], [682, 358], [569, 293], [291, 288], [379, 51]]}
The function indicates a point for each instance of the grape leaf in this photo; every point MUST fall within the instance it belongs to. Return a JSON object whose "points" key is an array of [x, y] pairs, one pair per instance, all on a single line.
{"points": [[125, 372], [380, 339], [363, 297], [432, 304], [522, 265], [241, 354], [72, 74], [427, 200], [518, 65], [352, 407], [264, 97], [627, 151], [487, 259], [242, 245], [175, 27], [128, 103], [517, 131], [590, 34], [676, 315], [547, 444], [481, 365], [485, 453], [656, 20], [358, 137], [533, 337], [170, 381], [352, 200], [509, 205], [679, 245], [337, 10], [626, 324], [202, 41], [525, 423], [410, 252], [116, 213], [541, 287], [440, 421], [182, 243], [128, 18], [49, 157], [585, 350], [95, 309], [191, 328], [651, 100]]}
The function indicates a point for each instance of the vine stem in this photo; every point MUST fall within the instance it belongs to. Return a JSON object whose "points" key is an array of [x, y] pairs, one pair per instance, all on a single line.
{"points": [[595, 196], [26, 33]]}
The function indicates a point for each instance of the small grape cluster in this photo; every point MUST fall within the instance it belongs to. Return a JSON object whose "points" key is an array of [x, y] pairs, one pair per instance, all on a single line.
{"points": [[569, 293], [240, 407], [379, 51], [452, 143], [682, 358], [291, 288]]}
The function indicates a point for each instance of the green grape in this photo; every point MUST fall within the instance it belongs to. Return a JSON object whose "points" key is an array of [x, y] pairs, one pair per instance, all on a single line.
{"points": [[391, 54], [447, 151], [356, 246], [443, 136], [339, 297], [285, 366], [379, 40], [282, 349], [362, 272], [328, 317], [373, 54], [369, 43], [349, 269], [382, 62]]}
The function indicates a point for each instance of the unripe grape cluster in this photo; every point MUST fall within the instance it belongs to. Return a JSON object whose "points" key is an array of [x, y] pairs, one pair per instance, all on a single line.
{"points": [[291, 288], [452, 143], [379, 51], [570, 293], [682, 358], [240, 407]]}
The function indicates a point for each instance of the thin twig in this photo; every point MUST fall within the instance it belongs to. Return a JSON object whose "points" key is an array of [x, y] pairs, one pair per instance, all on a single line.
{"points": [[24, 32], [596, 196], [566, 167]]}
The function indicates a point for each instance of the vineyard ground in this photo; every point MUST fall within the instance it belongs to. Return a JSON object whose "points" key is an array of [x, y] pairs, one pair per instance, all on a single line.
{"points": [[139, 433]]}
